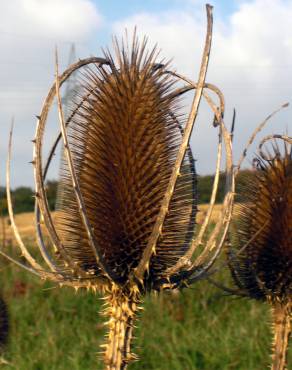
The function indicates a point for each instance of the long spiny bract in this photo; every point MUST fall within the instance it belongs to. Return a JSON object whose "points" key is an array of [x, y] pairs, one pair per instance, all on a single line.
{"points": [[263, 270]]}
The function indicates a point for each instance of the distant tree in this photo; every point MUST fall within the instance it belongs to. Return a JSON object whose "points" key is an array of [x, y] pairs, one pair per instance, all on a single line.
{"points": [[51, 190], [205, 186], [23, 198], [3, 203]]}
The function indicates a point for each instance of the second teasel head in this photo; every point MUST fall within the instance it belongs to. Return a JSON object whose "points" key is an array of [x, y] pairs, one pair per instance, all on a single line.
{"points": [[260, 252], [264, 221]]}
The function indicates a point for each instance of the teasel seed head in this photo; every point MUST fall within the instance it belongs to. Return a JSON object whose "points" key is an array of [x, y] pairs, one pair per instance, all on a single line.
{"points": [[264, 268], [124, 140], [125, 218], [263, 233]]}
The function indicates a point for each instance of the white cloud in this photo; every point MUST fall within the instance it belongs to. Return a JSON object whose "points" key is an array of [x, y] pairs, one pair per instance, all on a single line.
{"points": [[54, 19], [29, 31], [251, 61], [178, 34]]}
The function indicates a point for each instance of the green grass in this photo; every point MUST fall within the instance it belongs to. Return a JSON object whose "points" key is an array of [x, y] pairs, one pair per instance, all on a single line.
{"points": [[57, 329]]}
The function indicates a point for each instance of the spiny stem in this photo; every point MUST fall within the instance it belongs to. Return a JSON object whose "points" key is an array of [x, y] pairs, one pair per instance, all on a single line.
{"points": [[282, 331], [121, 308]]}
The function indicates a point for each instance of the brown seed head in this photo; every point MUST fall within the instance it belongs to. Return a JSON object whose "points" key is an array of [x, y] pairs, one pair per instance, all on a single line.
{"points": [[264, 268], [124, 141]]}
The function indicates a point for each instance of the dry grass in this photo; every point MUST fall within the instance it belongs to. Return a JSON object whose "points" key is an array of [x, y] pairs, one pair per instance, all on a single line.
{"points": [[203, 208], [25, 223], [196, 329], [57, 329]]}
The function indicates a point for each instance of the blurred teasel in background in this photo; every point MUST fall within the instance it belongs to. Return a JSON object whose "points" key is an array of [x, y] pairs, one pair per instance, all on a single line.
{"points": [[260, 248]]}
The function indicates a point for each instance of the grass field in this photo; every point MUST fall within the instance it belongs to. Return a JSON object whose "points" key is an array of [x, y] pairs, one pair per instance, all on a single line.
{"points": [[25, 222], [56, 329]]}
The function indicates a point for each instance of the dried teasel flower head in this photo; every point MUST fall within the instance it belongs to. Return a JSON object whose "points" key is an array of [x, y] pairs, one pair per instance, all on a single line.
{"points": [[124, 140], [262, 232], [264, 268], [127, 195]]}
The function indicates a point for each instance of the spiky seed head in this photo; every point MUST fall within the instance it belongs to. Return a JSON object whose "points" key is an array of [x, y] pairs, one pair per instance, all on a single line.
{"points": [[124, 139], [264, 268]]}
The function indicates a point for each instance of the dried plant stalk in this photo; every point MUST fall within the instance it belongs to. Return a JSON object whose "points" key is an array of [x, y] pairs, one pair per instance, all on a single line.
{"points": [[282, 331], [126, 218]]}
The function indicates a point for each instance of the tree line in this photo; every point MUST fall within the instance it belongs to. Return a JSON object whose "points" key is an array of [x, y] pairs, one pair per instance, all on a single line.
{"points": [[23, 197]]}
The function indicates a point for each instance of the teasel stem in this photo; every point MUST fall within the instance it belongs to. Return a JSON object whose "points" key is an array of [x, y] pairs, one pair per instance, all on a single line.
{"points": [[282, 330], [121, 309]]}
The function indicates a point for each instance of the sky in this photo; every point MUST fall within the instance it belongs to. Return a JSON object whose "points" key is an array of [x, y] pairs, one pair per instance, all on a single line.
{"points": [[251, 61]]}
